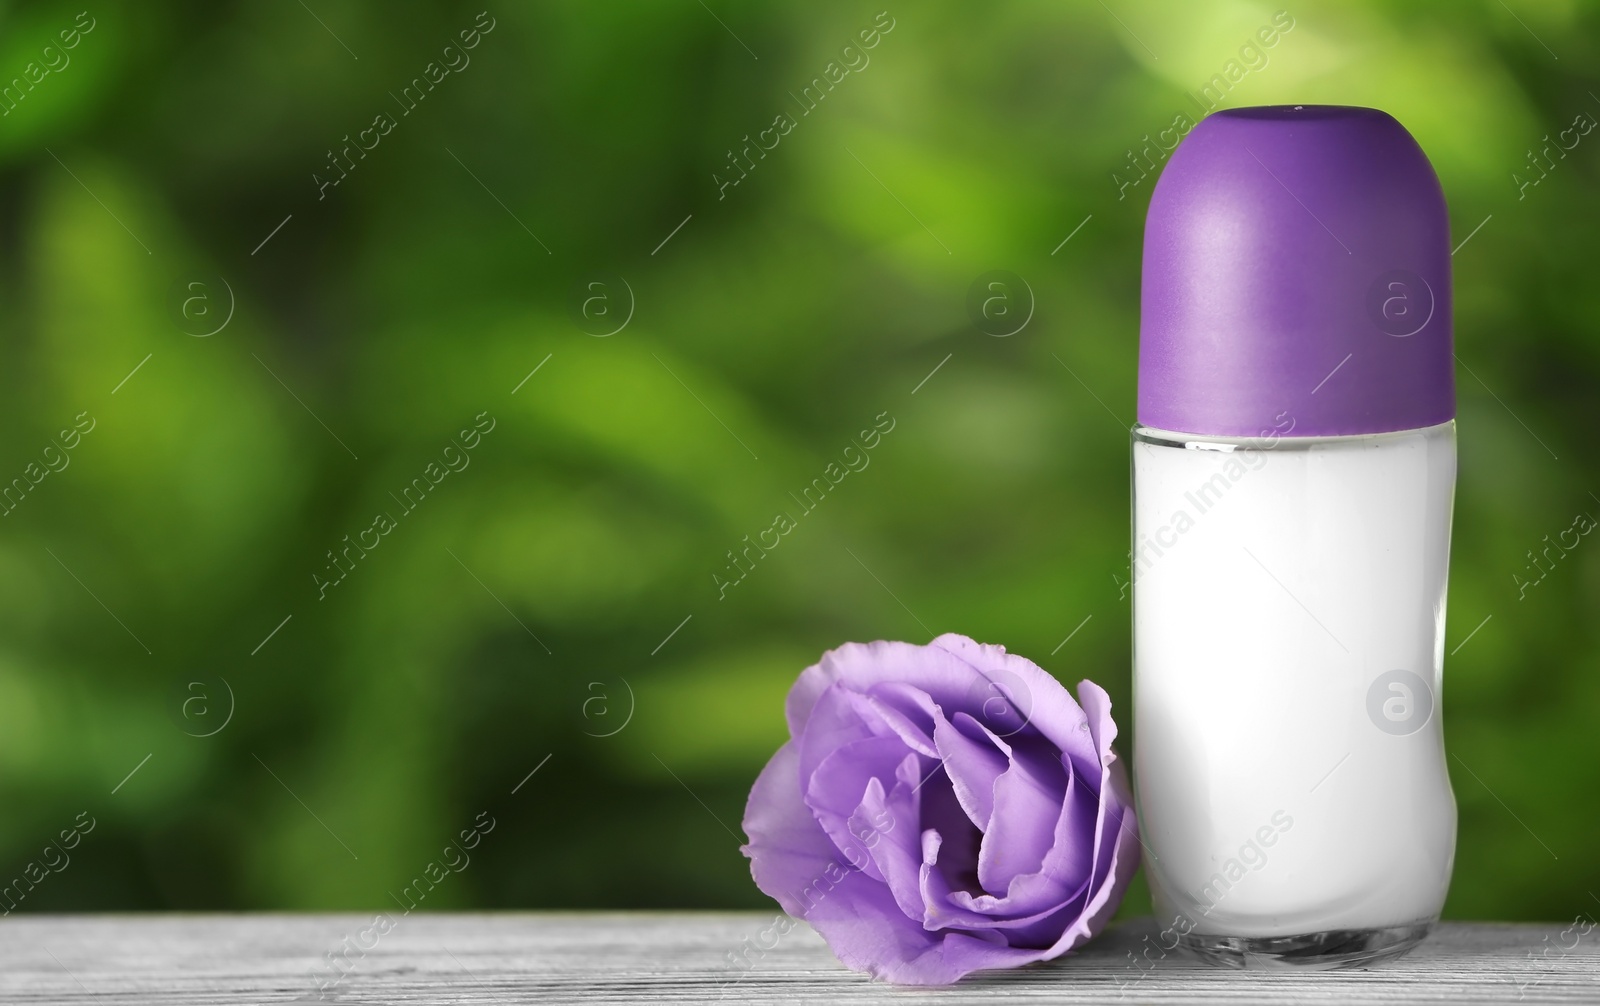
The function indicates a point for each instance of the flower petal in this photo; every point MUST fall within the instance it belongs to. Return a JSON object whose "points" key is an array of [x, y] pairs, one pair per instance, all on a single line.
{"points": [[943, 675], [1046, 705], [787, 848], [1028, 806], [834, 722], [949, 848], [868, 932], [973, 765], [903, 711], [1038, 928], [1116, 844], [1070, 862], [889, 822], [1102, 729], [836, 790], [1032, 900]]}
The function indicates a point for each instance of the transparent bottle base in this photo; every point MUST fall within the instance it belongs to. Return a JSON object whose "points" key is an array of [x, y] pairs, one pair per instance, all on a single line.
{"points": [[1324, 951]]}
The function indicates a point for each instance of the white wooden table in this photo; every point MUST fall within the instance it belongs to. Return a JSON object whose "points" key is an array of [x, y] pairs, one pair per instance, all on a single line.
{"points": [[176, 960]]}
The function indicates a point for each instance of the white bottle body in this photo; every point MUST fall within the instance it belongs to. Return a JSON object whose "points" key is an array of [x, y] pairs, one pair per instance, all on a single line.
{"points": [[1289, 607]]}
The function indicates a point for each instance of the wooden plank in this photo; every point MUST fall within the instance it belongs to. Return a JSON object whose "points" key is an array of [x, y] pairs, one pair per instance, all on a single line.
{"points": [[177, 960]]}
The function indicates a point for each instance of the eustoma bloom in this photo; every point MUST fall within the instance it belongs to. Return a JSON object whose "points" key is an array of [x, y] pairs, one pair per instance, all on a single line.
{"points": [[942, 809]]}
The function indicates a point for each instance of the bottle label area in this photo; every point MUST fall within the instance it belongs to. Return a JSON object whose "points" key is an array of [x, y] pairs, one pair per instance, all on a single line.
{"points": [[1288, 644]]}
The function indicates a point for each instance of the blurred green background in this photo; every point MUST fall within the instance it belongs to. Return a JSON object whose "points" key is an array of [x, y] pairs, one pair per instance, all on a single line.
{"points": [[523, 609]]}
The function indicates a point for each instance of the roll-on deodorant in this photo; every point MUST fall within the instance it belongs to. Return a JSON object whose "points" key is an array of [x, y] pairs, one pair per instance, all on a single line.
{"points": [[1293, 475]]}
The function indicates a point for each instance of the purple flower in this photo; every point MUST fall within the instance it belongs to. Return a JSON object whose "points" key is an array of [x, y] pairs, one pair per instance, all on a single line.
{"points": [[941, 809]]}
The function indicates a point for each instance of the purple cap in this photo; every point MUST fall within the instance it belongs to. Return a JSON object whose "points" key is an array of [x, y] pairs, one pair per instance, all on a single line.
{"points": [[1296, 266]]}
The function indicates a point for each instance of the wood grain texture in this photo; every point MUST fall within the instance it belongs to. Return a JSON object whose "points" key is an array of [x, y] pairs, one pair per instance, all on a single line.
{"points": [[177, 960]]}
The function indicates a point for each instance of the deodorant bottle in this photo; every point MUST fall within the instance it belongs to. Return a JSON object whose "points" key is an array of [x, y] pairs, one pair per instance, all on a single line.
{"points": [[1294, 469]]}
